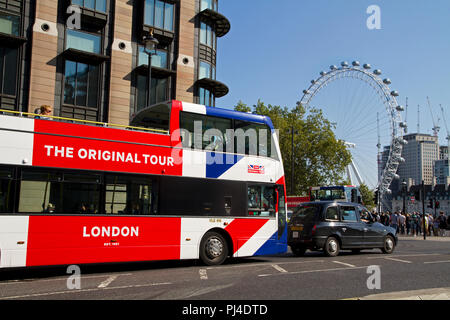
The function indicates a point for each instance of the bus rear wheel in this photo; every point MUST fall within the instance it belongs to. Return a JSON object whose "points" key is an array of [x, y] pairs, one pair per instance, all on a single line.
{"points": [[213, 249]]}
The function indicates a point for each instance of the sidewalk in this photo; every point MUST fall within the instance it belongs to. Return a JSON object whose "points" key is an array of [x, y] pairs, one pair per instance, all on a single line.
{"points": [[420, 237], [425, 294]]}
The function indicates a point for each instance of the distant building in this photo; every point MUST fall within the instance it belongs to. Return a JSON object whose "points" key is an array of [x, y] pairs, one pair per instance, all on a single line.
{"points": [[419, 154], [443, 152], [442, 171]]}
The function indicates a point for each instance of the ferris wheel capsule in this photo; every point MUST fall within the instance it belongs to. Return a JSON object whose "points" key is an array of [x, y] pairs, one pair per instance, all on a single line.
{"points": [[305, 92], [356, 63], [313, 81], [333, 67], [367, 66], [344, 64], [395, 93], [400, 108], [387, 81], [377, 72], [322, 73]]}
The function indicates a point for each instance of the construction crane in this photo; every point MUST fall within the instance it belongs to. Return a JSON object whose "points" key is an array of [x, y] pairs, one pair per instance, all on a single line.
{"points": [[448, 132], [436, 127]]}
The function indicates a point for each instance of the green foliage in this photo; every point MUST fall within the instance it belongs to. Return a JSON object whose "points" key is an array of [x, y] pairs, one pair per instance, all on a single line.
{"points": [[367, 196], [319, 159]]}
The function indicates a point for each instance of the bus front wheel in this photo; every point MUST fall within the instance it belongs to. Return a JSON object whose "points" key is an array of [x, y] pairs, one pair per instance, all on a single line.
{"points": [[213, 249]]}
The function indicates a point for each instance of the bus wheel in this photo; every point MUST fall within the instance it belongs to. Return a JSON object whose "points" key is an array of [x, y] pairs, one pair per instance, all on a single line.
{"points": [[213, 249]]}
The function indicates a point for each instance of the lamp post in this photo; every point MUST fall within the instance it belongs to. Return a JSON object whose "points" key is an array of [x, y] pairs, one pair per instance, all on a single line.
{"points": [[404, 196], [150, 43]]}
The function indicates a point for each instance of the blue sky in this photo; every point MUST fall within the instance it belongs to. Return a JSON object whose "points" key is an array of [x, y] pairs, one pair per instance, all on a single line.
{"points": [[276, 47]]}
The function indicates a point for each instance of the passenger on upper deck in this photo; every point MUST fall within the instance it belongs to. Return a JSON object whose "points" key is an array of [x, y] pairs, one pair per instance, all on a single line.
{"points": [[44, 112]]}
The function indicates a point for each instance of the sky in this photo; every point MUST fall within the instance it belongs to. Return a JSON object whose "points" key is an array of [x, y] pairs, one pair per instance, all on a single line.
{"points": [[276, 47]]}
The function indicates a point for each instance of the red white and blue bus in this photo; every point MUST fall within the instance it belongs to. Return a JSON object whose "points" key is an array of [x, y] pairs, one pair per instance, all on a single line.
{"points": [[74, 192]]}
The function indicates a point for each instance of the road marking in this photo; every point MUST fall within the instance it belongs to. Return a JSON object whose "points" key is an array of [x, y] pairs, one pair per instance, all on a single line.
{"points": [[83, 290], [408, 255], [107, 282], [277, 267], [262, 264], [345, 264], [431, 262], [398, 260], [311, 271], [203, 274]]}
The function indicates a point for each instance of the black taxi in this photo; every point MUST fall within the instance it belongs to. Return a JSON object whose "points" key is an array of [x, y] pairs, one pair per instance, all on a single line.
{"points": [[334, 226]]}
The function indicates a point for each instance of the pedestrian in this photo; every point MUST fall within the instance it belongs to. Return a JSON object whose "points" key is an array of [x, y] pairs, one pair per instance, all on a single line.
{"points": [[44, 112], [442, 220], [408, 224], [401, 222], [394, 220]]}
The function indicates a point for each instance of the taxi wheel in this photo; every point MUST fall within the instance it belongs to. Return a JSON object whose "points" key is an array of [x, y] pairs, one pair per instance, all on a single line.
{"points": [[331, 247], [213, 249], [388, 245]]}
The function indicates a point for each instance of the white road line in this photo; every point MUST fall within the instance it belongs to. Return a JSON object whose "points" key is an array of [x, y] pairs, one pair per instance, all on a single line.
{"points": [[431, 262], [203, 274], [277, 267], [310, 271], [82, 290], [407, 255], [107, 282], [345, 264], [398, 260], [250, 265]]}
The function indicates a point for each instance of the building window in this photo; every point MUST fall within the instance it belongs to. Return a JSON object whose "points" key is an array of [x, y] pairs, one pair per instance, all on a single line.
{"points": [[8, 69], [83, 41], [81, 84], [208, 4], [207, 35], [206, 70], [97, 5], [159, 14], [206, 97], [9, 23], [160, 59], [158, 91]]}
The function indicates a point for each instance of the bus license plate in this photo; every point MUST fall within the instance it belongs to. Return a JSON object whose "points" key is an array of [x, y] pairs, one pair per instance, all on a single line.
{"points": [[295, 234]]}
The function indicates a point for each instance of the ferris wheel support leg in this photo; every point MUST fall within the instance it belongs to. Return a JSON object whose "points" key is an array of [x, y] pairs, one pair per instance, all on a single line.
{"points": [[355, 170], [349, 176]]}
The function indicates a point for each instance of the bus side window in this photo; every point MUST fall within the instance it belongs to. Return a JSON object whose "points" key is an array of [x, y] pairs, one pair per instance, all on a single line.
{"points": [[6, 190], [261, 200]]}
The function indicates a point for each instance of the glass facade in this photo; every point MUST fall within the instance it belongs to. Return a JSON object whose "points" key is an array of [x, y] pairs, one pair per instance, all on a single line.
{"points": [[207, 35], [8, 70], [208, 4], [206, 97], [159, 14], [160, 59], [81, 84], [9, 24], [98, 5], [83, 41], [158, 94], [206, 70]]}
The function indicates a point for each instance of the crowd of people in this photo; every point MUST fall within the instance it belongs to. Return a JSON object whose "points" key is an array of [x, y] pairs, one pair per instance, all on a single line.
{"points": [[412, 224]]}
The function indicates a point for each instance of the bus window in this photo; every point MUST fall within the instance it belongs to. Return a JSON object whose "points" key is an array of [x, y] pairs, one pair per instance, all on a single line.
{"points": [[261, 200], [128, 195], [51, 192], [215, 133], [6, 190]]}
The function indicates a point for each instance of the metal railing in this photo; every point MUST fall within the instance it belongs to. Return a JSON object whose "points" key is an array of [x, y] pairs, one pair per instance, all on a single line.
{"points": [[73, 120]]}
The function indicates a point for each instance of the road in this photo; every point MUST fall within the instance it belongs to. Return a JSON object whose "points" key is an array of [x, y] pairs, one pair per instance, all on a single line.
{"points": [[415, 264]]}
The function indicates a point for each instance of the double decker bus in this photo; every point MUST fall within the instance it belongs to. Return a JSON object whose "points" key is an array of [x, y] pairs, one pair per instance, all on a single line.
{"points": [[346, 193], [78, 192]]}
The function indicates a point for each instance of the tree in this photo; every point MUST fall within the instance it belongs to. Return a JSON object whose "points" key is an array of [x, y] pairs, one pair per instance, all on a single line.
{"points": [[319, 158], [367, 196]]}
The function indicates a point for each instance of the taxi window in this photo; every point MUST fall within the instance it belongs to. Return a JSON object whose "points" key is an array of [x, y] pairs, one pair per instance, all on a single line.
{"points": [[349, 214], [332, 213]]}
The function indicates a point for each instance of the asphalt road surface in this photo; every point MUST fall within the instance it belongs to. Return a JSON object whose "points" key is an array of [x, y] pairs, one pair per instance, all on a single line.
{"points": [[415, 264]]}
